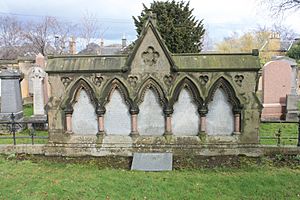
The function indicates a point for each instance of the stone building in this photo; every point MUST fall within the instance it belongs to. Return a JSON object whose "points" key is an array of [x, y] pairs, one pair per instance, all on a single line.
{"points": [[152, 100]]}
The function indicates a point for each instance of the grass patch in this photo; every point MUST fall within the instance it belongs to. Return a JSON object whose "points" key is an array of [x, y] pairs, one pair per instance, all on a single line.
{"points": [[28, 110], [48, 180], [26, 132], [270, 130]]}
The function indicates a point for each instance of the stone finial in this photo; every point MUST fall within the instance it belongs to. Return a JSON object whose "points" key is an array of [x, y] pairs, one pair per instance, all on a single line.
{"points": [[151, 16], [40, 60]]}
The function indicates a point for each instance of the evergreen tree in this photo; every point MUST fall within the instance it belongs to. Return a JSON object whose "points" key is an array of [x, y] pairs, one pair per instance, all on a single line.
{"points": [[178, 27], [294, 51]]}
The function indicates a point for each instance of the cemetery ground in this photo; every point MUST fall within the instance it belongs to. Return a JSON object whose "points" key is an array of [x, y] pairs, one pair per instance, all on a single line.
{"points": [[31, 177]]}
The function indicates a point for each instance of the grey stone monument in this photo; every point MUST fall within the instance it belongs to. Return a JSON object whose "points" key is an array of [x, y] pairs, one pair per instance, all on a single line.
{"points": [[152, 161], [37, 76], [293, 98], [11, 100]]}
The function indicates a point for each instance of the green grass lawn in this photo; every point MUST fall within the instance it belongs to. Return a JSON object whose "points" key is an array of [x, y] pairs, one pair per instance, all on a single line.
{"points": [[287, 130], [49, 180], [28, 110], [25, 132]]}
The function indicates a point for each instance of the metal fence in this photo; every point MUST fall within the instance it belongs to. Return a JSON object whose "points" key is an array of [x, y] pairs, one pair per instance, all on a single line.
{"points": [[25, 130], [29, 131], [280, 135]]}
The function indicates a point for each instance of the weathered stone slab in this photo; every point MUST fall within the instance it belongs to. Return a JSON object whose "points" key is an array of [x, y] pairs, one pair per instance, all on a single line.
{"points": [[151, 118], [117, 117], [185, 121], [84, 119], [152, 161], [219, 119]]}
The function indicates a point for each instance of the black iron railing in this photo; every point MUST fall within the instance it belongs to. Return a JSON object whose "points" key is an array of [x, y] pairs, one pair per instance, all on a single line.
{"points": [[281, 135], [26, 129]]}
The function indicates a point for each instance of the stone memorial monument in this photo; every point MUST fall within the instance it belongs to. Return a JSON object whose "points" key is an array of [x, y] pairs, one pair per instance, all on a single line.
{"points": [[280, 98], [153, 101], [11, 100], [276, 85]]}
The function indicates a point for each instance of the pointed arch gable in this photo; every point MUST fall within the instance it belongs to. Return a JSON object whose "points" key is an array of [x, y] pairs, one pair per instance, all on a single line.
{"points": [[229, 91], [151, 83], [109, 89], [72, 94], [189, 84]]}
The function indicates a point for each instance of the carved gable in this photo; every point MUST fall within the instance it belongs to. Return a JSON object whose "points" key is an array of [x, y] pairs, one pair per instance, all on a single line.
{"points": [[150, 54]]}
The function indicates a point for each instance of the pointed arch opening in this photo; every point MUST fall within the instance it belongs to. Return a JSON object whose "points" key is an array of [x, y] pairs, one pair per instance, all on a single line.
{"points": [[84, 118], [223, 105], [186, 102], [117, 104], [80, 109], [151, 101]]}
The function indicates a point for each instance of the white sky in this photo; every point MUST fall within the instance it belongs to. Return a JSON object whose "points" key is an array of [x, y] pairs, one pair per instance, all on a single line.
{"points": [[221, 18]]}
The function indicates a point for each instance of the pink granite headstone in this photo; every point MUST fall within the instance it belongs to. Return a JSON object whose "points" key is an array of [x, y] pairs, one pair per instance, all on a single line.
{"points": [[276, 85]]}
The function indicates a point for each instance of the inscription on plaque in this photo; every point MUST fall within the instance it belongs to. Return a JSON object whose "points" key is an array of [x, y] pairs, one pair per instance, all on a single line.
{"points": [[152, 161]]}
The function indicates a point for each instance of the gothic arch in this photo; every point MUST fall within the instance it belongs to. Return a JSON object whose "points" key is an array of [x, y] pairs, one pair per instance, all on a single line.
{"points": [[109, 89], [189, 84], [229, 91], [151, 83], [72, 94]]}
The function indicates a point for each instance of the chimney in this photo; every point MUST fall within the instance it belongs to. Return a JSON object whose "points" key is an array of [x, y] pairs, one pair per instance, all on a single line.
{"points": [[124, 41], [72, 45], [40, 60], [274, 42]]}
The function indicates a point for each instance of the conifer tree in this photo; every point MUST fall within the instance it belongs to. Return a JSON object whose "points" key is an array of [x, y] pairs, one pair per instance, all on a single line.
{"points": [[181, 31]]}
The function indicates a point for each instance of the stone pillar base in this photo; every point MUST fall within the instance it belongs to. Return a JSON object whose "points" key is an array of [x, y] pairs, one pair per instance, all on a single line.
{"points": [[202, 135], [134, 134], [236, 133]]}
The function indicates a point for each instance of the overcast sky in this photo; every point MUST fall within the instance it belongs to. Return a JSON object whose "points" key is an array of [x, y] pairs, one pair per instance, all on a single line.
{"points": [[221, 18]]}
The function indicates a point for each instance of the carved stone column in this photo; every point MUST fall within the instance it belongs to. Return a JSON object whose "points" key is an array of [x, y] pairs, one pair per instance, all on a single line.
{"points": [[168, 111], [68, 113], [237, 121], [100, 111], [202, 121], [134, 111]]}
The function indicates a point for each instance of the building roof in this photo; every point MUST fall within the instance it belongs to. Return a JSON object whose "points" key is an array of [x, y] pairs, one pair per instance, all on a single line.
{"points": [[150, 37]]}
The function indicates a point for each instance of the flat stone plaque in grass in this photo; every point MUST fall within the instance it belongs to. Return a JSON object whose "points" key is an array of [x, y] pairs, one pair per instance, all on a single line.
{"points": [[152, 161]]}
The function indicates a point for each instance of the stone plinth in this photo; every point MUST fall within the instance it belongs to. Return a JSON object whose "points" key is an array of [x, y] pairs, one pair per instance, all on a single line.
{"points": [[11, 100], [276, 85], [292, 107]]}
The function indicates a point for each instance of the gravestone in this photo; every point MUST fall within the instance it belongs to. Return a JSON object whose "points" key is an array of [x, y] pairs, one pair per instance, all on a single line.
{"points": [[152, 161], [277, 84], [11, 100], [37, 76]]}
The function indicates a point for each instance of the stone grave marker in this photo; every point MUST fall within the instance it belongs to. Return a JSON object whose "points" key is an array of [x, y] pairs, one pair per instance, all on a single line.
{"points": [[152, 161], [37, 76], [276, 85], [11, 100]]}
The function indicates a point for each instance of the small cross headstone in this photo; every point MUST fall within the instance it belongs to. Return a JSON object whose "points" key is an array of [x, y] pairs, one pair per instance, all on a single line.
{"points": [[152, 161]]}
